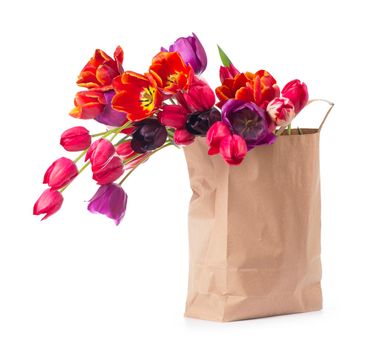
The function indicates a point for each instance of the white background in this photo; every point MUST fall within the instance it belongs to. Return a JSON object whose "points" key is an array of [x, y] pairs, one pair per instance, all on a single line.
{"points": [[76, 281]]}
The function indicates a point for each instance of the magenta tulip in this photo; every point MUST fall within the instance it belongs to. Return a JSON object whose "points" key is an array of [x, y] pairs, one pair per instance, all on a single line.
{"points": [[48, 203], [200, 97], [75, 139], [297, 92], [233, 149], [183, 138], [60, 173], [110, 172], [173, 116], [109, 200], [215, 134], [100, 153]]}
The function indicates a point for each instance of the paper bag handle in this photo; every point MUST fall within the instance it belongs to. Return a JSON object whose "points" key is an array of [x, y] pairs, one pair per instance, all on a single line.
{"points": [[331, 105]]}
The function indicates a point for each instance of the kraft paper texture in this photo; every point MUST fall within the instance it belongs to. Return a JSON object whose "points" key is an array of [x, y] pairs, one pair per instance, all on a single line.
{"points": [[254, 231]]}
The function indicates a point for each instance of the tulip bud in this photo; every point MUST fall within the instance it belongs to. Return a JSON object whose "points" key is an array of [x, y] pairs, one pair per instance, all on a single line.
{"points": [[183, 137], [109, 200], [215, 135], [200, 96], [48, 203], [75, 139], [109, 172], [149, 135], [100, 153], [60, 173], [281, 111], [192, 52], [173, 116], [297, 92], [233, 149], [227, 72]]}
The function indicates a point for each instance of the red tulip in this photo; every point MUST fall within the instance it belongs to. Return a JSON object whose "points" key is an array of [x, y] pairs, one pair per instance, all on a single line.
{"points": [[281, 111], [200, 97], [173, 116], [215, 135], [101, 69], [48, 203], [100, 153], [259, 88], [75, 139], [137, 95], [170, 72], [183, 137], [233, 149], [60, 173], [297, 92], [109, 172], [88, 104]]}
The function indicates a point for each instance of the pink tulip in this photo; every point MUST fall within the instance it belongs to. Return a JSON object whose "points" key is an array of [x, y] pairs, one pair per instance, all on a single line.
{"points": [[48, 203], [173, 116], [100, 153], [75, 139], [297, 92], [60, 173], [215, 135], [281, 111], [183, 137], [109, 172], [233, 149], [200, 97]]}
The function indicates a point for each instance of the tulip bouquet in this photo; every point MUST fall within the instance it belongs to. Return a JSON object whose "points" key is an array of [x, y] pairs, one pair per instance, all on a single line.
{"points": [[169, 105]]}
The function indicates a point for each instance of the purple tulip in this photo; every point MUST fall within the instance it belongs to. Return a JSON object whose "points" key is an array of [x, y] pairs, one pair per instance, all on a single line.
{"points": [[249, 121], [150, 134], [192, 52], [109, 200], [109, 116]]}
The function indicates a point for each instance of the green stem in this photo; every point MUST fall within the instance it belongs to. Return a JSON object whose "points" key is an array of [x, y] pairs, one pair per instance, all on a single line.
{"points": [[80, 155], [126, 125], [131, 159], [133, 169], [123, 139], [99, 134], [289, 129]]}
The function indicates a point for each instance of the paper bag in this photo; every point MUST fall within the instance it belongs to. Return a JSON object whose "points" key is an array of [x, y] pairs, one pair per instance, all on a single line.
{"points": [[254, 231]]}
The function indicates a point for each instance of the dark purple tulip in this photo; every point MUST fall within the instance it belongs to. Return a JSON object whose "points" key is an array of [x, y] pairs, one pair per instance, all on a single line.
{"points": [[198, 123], [249, 121], [109, 116], [192, 52], [109, 200], [149, 135]]}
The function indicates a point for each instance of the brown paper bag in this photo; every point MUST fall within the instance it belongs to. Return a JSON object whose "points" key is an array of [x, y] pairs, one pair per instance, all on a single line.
{"points": [[254, 231]]}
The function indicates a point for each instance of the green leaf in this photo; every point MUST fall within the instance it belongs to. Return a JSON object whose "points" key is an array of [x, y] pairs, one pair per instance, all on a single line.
{"points": [[224, 58]]}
